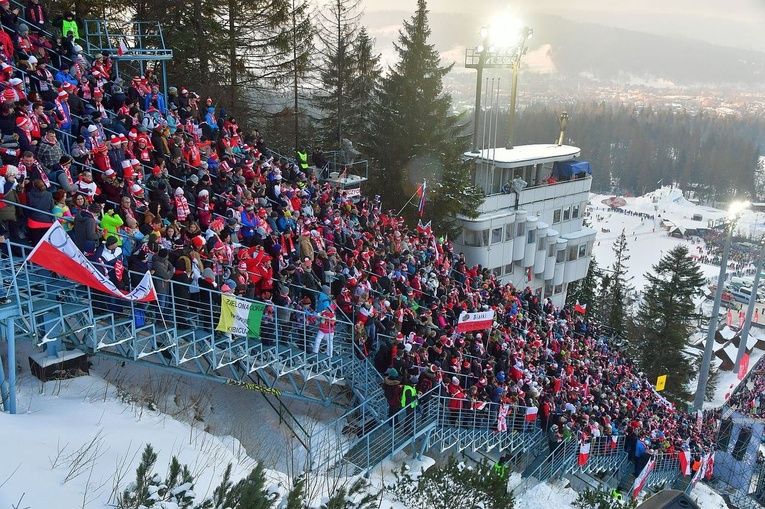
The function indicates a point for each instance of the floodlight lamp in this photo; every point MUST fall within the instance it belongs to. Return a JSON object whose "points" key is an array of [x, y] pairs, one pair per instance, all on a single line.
{"points": [[737, 207], [484, 32], [506, 31], [479, 48]]}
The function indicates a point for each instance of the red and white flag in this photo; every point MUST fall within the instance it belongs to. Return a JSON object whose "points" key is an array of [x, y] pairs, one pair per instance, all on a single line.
{"points": [[614, 442], [741, 318], [122, 49], [710, 466], [729, 318], [580, 308], [531, 413], [421, 193], [584, 453], [58, 253], [475, 321], [685, 462], [743, 366], [641, 479], [424, 229]]}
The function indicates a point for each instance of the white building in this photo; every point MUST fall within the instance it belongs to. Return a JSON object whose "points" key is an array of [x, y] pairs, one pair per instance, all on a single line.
{"points": [[533, 237]]}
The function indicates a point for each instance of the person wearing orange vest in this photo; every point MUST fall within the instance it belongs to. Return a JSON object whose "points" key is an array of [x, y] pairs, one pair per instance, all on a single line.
{"points": [[327, 325]]}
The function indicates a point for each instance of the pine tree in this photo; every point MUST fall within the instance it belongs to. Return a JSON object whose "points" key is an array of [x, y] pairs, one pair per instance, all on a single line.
{"points": [[150, 490], [418, 137], [358, 496], [338, 26], [296, 495], [585, 290], [362, 92], [599, 499], [666, 319], [614, 307], [253, 491], [453, 486]]}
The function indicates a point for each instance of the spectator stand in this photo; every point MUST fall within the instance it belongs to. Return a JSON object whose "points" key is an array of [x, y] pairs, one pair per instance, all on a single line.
{"points": [[131, 44]]}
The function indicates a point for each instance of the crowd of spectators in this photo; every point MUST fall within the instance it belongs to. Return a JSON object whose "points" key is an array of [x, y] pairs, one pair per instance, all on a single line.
{"points": [[173, 184], [749, 397]]}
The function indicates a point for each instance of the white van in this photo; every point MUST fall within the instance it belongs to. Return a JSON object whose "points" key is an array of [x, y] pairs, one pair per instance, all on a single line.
{"points": [[743, 293]]}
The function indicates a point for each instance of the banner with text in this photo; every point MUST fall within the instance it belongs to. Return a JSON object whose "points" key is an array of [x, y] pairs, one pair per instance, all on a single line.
{"points": [[240, 317], [475, 321]]}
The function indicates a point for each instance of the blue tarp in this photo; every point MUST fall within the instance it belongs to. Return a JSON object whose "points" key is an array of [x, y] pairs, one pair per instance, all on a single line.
{"points": [[566, 169]]}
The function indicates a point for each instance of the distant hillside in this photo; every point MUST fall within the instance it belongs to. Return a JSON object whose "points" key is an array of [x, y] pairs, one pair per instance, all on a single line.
{"points": [[607, 54]]}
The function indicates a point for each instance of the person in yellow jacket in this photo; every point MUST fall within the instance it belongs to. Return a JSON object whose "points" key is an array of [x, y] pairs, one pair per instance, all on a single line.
{"points": [[111, 223], [69, 24]]}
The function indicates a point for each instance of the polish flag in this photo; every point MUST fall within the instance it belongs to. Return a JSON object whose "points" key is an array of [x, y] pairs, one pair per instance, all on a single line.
{"points": [[584, 453], [641, 479], [58, 253], [710, 466], [580, 308], [614, 442], [685, 462], [122, 49], [531, 413]]}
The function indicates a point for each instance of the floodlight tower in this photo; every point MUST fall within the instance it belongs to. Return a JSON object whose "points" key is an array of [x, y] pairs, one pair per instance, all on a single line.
{"points": [[486, 56]]}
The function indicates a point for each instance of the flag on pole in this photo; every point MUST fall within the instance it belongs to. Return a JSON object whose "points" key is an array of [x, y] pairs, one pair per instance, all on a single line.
{"points": [[122, 49], [531, 413], [641, 479], [584, 453], [58, 253], [685, 462], [661, 382], [710, 465], [240, 317], [756, 318], [580, 308], [421, 194], [614, 441], [741, 318]]}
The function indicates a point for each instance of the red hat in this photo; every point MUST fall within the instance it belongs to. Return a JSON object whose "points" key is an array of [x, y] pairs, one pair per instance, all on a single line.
{"points": [[9, 95], [97, 93], [115, 140], [20, 121], [62, 94], [156, 170], [242, 266], [198, 242]]}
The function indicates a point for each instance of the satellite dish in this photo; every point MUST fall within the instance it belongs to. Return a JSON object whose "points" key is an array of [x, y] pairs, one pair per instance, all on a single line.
{"points": [[519, 185]]}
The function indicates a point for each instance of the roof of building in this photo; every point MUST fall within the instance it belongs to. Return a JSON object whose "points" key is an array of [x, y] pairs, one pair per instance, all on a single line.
{"points": [[522, 155]]}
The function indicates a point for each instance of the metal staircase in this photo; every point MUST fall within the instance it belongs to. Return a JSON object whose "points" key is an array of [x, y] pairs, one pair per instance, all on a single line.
{"points": [[179, 336]]}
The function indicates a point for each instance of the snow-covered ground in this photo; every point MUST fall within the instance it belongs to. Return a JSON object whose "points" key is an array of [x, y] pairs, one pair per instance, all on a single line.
{"points": [[40, 467]]}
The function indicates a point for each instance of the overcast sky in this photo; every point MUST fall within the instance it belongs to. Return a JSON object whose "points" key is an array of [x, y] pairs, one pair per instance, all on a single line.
{"points": [[737, 23]]}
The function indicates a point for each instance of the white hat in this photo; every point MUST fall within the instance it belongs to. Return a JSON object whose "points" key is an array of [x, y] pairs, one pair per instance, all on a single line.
{"points": [[77, 48], [455, 380], [92, 128], [32, 60], [110, 173], [408, 347], [135, 188], [178, 191], [15, 81], [204, 192]]}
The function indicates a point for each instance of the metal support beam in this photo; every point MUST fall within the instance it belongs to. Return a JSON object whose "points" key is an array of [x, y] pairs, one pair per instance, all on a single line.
{"points": [[701, 389], [743, 339]]}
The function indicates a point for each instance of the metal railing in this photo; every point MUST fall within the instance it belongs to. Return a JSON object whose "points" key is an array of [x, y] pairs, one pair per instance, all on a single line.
{"points": [[666, 470]]}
